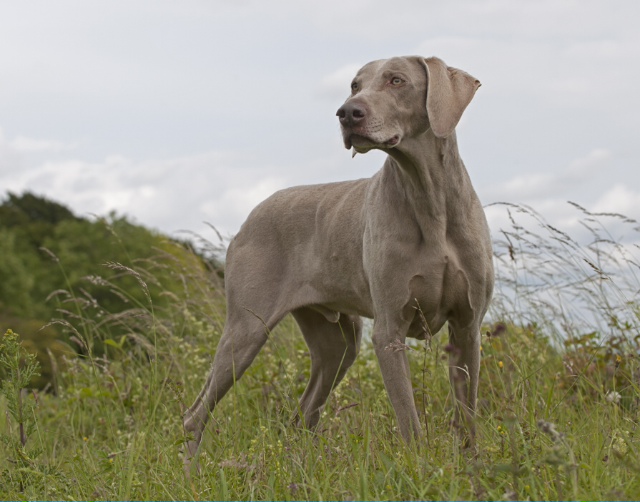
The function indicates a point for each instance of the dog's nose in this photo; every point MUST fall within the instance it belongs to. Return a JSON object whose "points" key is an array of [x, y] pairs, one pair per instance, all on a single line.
{"points": [[351, 113]]}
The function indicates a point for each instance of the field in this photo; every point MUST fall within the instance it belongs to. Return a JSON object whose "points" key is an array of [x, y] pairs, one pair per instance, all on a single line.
{"points": [[559, 393]]}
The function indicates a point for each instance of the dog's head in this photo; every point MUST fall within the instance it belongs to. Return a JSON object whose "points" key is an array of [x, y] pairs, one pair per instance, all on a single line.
{"points": [[399, 98]]}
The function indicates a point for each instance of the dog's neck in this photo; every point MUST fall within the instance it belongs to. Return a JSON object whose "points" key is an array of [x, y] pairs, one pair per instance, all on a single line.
{"points": [[432, 176]]}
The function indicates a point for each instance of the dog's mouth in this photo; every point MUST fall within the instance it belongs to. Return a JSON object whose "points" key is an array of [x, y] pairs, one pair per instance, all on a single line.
{"points": [[362, 144], [393, 141]]}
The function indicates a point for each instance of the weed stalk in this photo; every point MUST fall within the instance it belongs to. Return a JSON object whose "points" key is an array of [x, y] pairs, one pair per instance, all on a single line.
{"points": [[19, 367]]}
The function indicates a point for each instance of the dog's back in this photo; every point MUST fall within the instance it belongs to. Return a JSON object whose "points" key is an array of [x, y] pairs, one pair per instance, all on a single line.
{"points": [[300, 243]]}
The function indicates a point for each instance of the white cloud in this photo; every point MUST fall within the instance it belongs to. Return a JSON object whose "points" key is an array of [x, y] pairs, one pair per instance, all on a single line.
{"points": [[233, 205], [10, 161], [535, 187], [160, 83], [557, 212], [170, 194], [594, 161], [619, 199], [27, 145], [549, 195], [335, 86]]}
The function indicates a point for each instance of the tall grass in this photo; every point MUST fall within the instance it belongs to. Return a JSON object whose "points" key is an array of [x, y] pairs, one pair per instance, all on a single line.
{"points": [[558, 411], [588, 282]]}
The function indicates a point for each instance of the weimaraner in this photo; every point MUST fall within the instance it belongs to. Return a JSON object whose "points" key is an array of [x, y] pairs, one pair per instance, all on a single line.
{"points": [[409, 247]]}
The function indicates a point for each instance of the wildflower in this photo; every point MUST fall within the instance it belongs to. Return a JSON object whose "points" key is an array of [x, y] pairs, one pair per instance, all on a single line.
{"points": [[500, 364], [451, 349], [613, 397], [619, 444], [498, 330], [550, 429]]}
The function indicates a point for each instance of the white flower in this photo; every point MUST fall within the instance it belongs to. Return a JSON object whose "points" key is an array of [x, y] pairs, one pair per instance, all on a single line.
{"points": [[613, 397]]}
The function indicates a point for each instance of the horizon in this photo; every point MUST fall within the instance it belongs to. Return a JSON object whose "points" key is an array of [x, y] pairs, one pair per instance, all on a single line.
{"points": [[171, 115]]}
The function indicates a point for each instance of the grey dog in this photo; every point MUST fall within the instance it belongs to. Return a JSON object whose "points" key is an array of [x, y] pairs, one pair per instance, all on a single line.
{"points": [[407, 247]]}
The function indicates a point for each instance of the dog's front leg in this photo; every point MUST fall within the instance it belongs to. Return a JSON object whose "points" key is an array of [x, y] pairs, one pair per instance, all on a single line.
{"points": [[394, 365]]}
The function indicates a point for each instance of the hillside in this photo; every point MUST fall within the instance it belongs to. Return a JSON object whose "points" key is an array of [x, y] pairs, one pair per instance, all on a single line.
{"points": [[133, 320], [55, 264]]}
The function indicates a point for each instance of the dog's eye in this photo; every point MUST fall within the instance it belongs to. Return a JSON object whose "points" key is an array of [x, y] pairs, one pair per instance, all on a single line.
{"points": [[354, 86], [397, 81]]}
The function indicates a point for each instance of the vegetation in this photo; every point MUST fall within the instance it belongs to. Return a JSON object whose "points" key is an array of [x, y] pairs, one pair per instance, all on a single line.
{"points": [[559, 404], [50, 256]]}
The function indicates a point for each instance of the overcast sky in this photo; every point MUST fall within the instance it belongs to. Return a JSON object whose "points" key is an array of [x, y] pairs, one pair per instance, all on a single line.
{"points": [[183, 112]]}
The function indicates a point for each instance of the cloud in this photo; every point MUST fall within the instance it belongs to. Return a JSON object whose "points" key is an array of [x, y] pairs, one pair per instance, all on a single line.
{"points": [[557, 212], [23, 144], [171, 194], [335, 86], [619, 199], [533, 187], [549, 195], [159, 84], [10, 161], [232, 206]]}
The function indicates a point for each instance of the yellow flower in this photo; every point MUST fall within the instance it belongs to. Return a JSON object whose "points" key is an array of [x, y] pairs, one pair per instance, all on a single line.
{"points": [[500, 364]]}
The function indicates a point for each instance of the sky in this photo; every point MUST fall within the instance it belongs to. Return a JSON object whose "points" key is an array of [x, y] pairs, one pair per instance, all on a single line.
{"points": [[182, 114]]}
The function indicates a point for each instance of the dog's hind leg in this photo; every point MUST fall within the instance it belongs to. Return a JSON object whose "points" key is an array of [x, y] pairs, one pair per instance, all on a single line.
{"points": [[333, 347], [243, 337]]}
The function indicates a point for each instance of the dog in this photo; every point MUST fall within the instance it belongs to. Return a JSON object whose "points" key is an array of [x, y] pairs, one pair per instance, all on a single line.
{"points": [[408, 247]]}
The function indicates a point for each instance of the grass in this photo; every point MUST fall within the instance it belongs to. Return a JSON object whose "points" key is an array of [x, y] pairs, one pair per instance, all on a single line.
{"points": [[558, 413]]}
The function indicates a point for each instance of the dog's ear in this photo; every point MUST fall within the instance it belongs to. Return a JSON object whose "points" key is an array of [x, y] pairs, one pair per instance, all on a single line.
{"points": [[449, 92]]}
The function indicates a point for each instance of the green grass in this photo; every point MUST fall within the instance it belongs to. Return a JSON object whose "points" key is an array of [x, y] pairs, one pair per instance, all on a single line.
{"points": [[556, 420]]}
